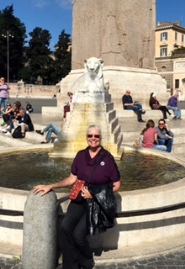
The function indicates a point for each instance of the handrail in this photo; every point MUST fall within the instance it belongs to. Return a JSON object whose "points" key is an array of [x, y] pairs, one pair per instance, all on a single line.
{"points": [[123, 214], [150, 211], [8, 212]]}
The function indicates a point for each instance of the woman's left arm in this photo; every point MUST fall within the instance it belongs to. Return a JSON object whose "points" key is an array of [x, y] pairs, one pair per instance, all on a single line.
{"points": [[116, 186]]}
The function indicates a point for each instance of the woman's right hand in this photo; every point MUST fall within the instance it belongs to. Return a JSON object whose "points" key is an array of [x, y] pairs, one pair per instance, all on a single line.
{"points": [[44, 188], [85, 193]]}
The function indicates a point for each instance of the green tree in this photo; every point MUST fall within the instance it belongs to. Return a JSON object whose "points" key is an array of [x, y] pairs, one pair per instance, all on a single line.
{"points": [[62, 57], [25, 72], [178, 51], [38, 55], [12, 41]]}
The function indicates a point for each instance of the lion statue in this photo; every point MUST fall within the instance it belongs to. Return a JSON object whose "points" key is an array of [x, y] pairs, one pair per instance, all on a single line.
{"points": [[94, 74]]}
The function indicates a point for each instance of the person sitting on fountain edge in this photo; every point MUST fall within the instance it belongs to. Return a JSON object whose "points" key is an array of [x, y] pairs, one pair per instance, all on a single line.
{"points": [[23, 120], [173, 105], [164, 135], [29, 108], [50, 128], [67, 107], [154, 104], [149, 134], [129, 104]]}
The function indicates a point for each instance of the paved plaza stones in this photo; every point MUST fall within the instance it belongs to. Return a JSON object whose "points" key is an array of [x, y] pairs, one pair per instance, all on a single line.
{"points": [[173, 260]]}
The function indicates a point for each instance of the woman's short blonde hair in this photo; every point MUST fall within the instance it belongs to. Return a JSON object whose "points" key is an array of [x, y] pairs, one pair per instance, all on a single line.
{"points": [[94, 126]]}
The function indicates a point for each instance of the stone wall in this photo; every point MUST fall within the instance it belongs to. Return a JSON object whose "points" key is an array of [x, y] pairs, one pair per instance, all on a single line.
{"points": [[30, 90], [165, 69], [121, 32]]}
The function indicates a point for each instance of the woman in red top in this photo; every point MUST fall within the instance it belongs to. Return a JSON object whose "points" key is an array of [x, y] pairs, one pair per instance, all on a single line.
{"points": [[150, 137]]}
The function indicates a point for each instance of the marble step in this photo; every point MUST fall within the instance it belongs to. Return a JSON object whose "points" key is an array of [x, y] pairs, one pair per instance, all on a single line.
{"points": [[150, 114]]}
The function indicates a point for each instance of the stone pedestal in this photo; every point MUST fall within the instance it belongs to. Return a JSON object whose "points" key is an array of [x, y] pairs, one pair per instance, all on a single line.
{"points": [[40, 232], [141, 82], [83, 97], [84, 114]]}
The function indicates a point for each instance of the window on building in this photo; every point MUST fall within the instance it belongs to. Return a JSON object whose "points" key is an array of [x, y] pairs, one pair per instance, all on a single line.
{"points": [[163, 52], [183, 81], [182, 38], [177, 84], [176, 36], [163, 68], [164, 36]]}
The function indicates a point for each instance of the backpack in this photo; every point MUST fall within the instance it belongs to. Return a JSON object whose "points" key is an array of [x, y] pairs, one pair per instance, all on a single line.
{"points": [[17, 132]]}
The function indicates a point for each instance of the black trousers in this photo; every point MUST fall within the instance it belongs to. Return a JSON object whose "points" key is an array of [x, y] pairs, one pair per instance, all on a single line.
{"points": [[6, 118], [164, 111], [75, 247]]}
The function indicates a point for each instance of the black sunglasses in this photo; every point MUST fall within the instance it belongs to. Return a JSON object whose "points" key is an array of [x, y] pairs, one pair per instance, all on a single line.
{"points": [[91, 135]]}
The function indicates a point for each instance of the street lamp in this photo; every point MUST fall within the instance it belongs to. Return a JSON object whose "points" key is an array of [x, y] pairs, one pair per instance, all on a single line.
{"points": [[7, 35]]}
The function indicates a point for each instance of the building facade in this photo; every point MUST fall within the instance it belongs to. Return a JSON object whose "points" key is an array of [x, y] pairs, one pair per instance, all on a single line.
{"points": [[168, 37]]}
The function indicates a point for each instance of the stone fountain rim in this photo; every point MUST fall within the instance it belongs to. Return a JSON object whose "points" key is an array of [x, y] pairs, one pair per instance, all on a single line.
{"points": [[170, 156], [127, 148]]}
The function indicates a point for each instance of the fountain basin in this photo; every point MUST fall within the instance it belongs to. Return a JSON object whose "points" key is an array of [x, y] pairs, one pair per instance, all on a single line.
{"points": [[132, 231], [139, 170]]}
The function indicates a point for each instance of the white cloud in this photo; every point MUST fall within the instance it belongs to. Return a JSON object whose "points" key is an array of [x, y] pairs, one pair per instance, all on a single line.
{"points": [[45, 3], [64, 3], [41, 3]]}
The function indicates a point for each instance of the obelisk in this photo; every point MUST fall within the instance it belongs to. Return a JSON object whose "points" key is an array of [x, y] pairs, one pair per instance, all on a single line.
{"points": [[121, 32]]}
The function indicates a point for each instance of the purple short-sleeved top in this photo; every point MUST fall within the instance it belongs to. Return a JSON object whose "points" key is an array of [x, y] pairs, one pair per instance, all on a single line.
{"points": [[106, 171], [4, 93]]}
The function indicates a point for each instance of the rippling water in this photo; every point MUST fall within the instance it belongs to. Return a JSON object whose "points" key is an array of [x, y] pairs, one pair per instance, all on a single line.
{"points": [[138, 171]]}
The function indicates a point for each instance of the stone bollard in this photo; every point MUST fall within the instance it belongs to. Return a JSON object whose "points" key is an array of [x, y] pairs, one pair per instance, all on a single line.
{"points": [[40, 231]]}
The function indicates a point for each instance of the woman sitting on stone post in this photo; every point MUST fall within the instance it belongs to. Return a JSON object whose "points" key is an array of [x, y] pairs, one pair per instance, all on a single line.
{"points": [[94, 208]]}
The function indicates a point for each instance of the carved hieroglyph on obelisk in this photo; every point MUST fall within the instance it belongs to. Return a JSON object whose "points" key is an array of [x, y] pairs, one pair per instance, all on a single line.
{"points": [[121, 32]]}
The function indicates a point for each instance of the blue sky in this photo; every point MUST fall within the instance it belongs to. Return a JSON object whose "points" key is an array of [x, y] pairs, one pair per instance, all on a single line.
{"points": [[52, 15], [171, 11], [56, 15]]}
